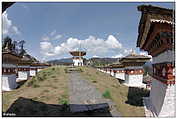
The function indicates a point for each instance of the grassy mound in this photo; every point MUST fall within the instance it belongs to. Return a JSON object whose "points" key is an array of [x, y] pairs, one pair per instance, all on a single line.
{"points": [[49, 86], [128, 101]]}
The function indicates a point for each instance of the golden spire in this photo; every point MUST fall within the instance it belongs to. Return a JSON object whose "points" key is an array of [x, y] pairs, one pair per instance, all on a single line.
{"points": [[132, 52]]}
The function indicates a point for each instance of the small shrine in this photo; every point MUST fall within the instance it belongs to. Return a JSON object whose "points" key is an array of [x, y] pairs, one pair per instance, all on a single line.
{"points": [[117, 71], [156, 36], [36, 67], [78, 57], [133, 69], [9, 65]]}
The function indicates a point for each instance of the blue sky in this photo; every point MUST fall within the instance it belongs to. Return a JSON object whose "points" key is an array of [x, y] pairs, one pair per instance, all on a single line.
{"points": [[52, 29]]}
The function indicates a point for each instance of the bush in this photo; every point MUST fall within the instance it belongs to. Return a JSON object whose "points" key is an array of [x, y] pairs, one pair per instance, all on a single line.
{"points": [[32, 82], [94, 81], [36, 86], [63, 101], [80, 70], [135, 96], [66, 71], [40, 78], [107, 94]]}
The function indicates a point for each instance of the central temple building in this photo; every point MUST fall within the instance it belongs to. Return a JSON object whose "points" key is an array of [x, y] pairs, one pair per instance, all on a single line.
{"points": [[78, 57]]}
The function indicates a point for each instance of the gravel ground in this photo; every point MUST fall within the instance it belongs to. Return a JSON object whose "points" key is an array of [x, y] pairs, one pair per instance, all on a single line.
{"points": [[83, 93]]}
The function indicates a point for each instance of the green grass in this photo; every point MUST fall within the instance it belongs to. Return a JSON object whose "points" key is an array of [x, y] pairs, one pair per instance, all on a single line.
{"points": [[44, 87], [120, 94], [46, 90], [63, 99], [45, 74], [107, 94]]}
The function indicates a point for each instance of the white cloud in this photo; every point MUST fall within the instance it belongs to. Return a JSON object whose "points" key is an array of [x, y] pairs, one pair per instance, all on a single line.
{"points": [[92, 45], [47, 48], [95, 56], [51, 36], [57, 37], [127, 51], [146, 54], [117, 56], [53, 33], [45, 45], [7, 26], [113, 42], [45, 38]]}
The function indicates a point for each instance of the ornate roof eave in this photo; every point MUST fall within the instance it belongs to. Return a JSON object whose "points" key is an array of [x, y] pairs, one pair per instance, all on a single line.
{"points": [[152, 14], [137, 60], [22, 62], [142, 37], [10, 53]]}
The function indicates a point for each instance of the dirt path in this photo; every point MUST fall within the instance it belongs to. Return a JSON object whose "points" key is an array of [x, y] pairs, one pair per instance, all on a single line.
{"points": [[84, 96]]}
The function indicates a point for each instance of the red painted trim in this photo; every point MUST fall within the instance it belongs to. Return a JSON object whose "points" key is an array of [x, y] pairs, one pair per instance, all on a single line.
{"points": [[164, 81]]}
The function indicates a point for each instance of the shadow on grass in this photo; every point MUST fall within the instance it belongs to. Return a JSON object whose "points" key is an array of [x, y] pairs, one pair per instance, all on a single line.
{"points": [[21, 83], [120, 81], [24, 107], [135, 96]]}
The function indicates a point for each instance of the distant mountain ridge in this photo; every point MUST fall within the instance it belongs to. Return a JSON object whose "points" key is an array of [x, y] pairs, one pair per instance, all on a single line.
{"points": [[92, 61], [61, 61]]}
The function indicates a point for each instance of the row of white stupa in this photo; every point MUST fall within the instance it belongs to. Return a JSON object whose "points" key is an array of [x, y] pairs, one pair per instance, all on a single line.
{"points": [[129, 69], [16, 69]]}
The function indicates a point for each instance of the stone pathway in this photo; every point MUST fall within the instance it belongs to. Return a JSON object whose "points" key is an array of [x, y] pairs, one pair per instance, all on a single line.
{"points": [[84, 96]]}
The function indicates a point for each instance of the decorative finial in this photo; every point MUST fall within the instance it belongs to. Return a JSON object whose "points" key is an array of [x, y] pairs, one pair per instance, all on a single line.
{"points": [[133, 52]]}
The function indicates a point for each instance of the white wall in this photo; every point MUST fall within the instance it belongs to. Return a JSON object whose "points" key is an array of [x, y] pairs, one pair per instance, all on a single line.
{"points": [[167, 56], [108, 71], [38, 70], [23, 75], [78, 62], [32, 72], [134, 67], [9, 82], [9, 66], [120, 75], [135, 80], [162, 98], [112, 73]]}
